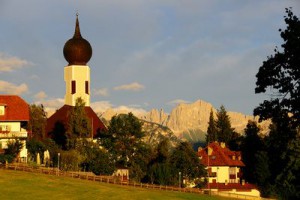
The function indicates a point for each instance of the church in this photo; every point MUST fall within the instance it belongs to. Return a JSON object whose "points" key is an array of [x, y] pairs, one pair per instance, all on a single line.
{"points": [[77, 52]]}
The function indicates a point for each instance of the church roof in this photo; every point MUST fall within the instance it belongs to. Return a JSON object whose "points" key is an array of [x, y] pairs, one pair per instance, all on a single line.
{"points": [[16, 109], [61, 116], [77, 50], [220, 155]]}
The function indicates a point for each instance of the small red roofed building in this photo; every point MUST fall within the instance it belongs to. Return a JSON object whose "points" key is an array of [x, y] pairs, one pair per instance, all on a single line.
{"points": [[14, 117], [77, 52], [224, 170]]}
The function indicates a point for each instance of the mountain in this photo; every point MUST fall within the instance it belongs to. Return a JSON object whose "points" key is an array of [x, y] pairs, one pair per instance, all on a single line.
{"points": [[190, 121]]}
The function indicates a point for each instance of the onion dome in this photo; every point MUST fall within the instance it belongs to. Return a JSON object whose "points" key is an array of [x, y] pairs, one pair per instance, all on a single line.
{"points": [[77, 50]]}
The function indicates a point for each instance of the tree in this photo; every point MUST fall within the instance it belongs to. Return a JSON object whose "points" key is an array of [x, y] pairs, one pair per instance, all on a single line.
{"points": [[185, 160], [37, 121], [123, 140], [34, 147], [223, 125], [159, 169], [281, 74], [211, 135], [262, 173], [79, 125], [251, 145], [13, 149], [287, 182]]}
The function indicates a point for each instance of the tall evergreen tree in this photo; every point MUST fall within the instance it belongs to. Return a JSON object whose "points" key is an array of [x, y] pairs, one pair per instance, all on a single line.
{"points": [[79, 125], [211, 129], [251, 144], [37, 121], [223, 125]]}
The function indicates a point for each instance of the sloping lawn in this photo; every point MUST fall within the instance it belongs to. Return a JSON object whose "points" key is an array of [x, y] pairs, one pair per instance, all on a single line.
{"points": [[24, 185]]}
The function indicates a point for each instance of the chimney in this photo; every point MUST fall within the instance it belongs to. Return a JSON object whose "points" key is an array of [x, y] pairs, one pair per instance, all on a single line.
{"points": [[223, 145], [209, 150], [199, 149]]}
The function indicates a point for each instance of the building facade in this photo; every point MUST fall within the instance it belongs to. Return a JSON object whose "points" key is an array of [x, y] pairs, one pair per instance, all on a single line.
{"points": [[224, 170], [14, 118]]}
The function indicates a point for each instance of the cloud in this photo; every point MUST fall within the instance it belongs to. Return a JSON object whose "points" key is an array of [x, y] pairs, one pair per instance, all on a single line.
{"points": [[11, 88], [107, 110], [101, 106], [40, 95], [101, 92], [11, 63], [132, 86], [177, 101], [51, 105]]}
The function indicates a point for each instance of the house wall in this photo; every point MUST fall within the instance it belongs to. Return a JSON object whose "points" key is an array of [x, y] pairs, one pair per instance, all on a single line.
{"points": [[10, 126], [223, 174], [11, 131]]}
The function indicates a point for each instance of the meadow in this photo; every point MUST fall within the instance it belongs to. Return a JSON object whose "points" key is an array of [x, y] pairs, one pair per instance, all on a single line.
{"points": [[25, 185]]}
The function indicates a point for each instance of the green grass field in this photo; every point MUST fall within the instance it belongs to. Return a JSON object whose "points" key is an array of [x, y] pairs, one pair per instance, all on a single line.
{"points": [[24, 185]]}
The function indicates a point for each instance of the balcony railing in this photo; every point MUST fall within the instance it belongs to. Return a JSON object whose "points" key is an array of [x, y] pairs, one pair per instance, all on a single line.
{"points": [[13, 134]]}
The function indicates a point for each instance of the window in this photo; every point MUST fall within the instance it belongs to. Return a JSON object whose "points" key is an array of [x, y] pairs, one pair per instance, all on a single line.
{"points": [[73, 87], [86, 87]]}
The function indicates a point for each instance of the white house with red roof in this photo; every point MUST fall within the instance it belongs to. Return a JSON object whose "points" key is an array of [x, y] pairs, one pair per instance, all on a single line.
{"points": [[224, 169], [14, 117]]}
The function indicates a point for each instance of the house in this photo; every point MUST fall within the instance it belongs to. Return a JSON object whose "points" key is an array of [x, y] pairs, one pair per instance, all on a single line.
{"points": [[224, 169], [14, 117]]}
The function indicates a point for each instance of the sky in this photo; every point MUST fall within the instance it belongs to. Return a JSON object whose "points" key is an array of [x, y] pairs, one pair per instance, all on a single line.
{"points": [[147, 54]]}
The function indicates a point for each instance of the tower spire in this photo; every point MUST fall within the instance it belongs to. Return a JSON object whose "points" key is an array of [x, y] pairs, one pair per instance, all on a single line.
{"points": [[77, 33]]}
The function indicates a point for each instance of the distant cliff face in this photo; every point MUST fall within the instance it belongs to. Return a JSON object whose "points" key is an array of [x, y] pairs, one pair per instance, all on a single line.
{"points": [[190, 121]]}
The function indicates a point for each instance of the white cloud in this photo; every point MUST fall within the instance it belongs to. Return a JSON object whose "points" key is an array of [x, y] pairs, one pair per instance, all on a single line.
{"points": [[11, 63], [132, 86], [101, 92], [177, 101], [11, 88], [40, 95], [51, 105], [101, 106]]}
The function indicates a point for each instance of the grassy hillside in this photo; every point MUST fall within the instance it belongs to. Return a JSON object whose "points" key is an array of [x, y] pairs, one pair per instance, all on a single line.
{"points": [[24, 185]]}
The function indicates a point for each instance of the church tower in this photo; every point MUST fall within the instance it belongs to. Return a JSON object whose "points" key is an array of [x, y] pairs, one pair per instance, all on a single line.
{"points": [[77, 52]]}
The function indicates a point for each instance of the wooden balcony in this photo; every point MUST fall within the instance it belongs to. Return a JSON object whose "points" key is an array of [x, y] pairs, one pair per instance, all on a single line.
{"points": [[13, 134]]}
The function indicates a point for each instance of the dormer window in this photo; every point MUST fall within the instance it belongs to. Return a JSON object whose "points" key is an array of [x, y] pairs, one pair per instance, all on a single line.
{"points": [[233, 157]]}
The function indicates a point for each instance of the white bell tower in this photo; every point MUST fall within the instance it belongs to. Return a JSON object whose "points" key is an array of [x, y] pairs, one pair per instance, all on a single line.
{"points": [[77, 51]]}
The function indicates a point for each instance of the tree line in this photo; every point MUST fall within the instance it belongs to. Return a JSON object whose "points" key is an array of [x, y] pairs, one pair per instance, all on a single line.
{"points": [[122, 145]]}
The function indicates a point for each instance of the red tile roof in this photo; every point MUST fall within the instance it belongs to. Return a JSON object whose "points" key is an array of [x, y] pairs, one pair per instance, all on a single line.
{"points": [[61, 115], [220, 156], [16, 109]]}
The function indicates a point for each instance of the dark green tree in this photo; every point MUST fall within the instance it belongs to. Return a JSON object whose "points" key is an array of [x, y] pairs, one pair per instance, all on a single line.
{"points": [[223, 125], [185, 160], [123, 140], [34, 147], [159, 168], [287, 182], [251, 144], [280, 74], [37, 121], [211, 135], [262, 173], [79, 125]]}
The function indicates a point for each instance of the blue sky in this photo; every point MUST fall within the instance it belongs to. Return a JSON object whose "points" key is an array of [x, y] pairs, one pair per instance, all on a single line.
{"points": [[146, 53]]}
